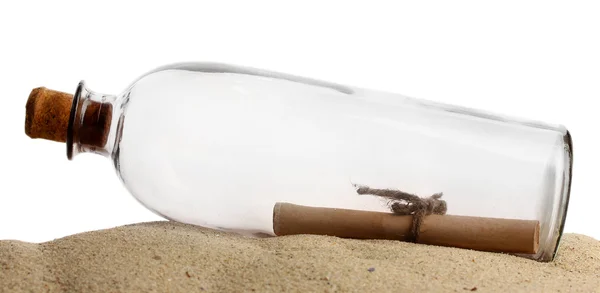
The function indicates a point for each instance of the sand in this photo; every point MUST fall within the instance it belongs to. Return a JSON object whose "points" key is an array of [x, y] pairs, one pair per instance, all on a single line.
{"points": [[173, 257]]}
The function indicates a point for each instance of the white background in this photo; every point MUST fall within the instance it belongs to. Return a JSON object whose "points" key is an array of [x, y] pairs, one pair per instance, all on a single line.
{"points": [[533, 59]]}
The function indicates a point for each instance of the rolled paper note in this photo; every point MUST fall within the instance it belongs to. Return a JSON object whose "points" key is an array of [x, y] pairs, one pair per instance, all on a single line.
{"points": [[477, 233]]}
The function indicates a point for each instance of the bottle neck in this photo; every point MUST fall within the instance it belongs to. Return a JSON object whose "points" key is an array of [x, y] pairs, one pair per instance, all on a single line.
{"points": [[93, 123]]}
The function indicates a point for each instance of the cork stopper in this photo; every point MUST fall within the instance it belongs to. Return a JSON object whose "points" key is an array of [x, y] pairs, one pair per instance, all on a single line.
{"points": [[47, 114]]}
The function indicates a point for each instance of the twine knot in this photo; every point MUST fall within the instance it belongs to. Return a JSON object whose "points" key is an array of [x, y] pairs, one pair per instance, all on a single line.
{"points": [[402, 203]]}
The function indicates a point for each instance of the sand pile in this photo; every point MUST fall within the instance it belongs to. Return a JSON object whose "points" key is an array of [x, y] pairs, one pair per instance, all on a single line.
{"points": [[173, 257]]}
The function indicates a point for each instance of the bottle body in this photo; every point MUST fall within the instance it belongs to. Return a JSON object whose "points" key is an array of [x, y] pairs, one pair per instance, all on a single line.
{"points": [[219, 146]]}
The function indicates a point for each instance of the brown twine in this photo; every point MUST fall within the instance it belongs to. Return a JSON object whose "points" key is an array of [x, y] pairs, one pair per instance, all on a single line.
{"points": [[402, 203]]}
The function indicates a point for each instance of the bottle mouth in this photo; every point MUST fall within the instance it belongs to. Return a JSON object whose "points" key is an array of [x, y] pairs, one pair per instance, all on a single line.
{"points": [[72, 115]]}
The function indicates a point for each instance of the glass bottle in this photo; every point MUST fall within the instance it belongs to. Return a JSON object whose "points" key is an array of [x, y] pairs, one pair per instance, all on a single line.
{"points": [[219, 145]]}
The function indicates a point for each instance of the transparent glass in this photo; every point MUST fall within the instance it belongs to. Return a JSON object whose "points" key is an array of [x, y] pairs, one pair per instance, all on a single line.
{"points": [[218, 145]]}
